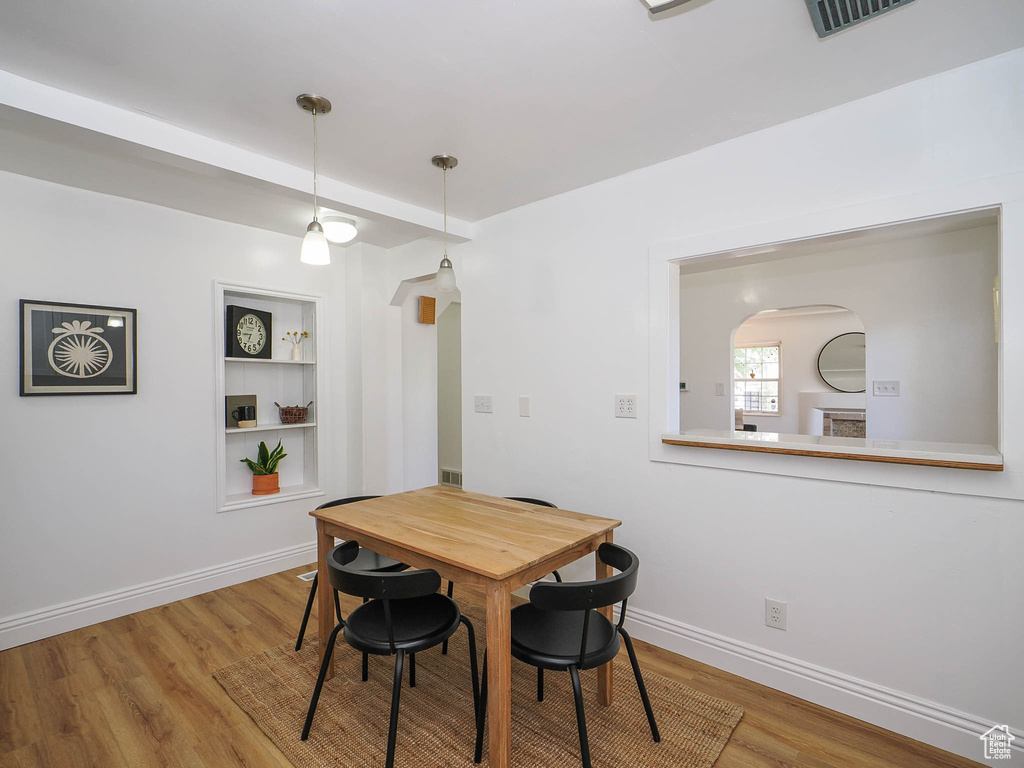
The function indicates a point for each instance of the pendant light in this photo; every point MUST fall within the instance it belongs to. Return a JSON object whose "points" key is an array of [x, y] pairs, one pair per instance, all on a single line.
{"points": [[445, 274], [315, 249], [338, 229]]}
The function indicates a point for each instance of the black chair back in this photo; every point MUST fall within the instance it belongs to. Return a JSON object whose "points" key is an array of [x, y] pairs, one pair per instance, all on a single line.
{"points": [[375, 585], [528, 500], [588, 595], [378, 586], [346, 500]]}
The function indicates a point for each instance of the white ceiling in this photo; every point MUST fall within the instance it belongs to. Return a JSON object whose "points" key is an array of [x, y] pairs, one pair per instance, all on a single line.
{"points": [[535, 97]]}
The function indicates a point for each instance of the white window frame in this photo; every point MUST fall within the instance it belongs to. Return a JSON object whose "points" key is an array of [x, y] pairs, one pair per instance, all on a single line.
{"points": [[758, 345]]}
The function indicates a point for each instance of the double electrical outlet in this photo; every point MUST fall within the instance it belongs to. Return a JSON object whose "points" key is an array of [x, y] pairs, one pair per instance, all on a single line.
{"points": [[625, 406], [774, 613]]}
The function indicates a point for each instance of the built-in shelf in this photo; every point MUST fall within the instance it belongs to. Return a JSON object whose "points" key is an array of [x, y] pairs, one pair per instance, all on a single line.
{"points": [[269, 427], [952, 455], [288, 493], [278, 379]]}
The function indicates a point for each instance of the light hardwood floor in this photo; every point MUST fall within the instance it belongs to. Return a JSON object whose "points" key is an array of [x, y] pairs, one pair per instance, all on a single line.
{"points": [[138, 691]]}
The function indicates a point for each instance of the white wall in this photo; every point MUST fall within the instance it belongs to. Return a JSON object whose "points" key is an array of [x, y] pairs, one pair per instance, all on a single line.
{"points": [[870, 573], [802, 337], [449, 387], [926, 307], [106, 495]]}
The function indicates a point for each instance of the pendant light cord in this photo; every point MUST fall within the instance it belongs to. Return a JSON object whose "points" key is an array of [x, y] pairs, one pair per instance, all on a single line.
{"points": [[314, 163], [445, 177]]}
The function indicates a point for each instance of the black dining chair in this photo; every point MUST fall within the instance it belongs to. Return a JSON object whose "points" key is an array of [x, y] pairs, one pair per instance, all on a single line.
{"points": [[525, 500], [365, 561], [559, 629], [405, 613]]}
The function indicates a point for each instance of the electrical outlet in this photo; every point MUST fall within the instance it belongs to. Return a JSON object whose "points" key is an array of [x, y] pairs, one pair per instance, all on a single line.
{"points": [[719, 389], [625, 406], [483, 404], [885, 388], [774, 613]]}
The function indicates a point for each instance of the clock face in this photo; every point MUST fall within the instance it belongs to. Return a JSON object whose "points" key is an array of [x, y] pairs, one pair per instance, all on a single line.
{"points": [[251, 334]]}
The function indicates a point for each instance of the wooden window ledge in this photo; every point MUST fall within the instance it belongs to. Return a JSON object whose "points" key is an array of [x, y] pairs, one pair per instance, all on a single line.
{"points": [[953, 455]]}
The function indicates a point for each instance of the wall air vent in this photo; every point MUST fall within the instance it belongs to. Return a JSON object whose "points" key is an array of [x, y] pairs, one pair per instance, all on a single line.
{"points": [[451, 477], [830, 16]]}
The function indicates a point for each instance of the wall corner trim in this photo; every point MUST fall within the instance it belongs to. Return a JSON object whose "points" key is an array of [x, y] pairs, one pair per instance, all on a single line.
{"points": [[53, 620], [927, 721]]}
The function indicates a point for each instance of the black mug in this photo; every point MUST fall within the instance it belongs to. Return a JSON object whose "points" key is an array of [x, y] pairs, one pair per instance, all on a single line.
{"points": [[244, 413]]}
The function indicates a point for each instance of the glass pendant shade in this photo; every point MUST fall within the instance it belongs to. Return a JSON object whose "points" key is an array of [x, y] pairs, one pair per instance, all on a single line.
{"points": [[339, 230], [315, 249], [445, 280]]}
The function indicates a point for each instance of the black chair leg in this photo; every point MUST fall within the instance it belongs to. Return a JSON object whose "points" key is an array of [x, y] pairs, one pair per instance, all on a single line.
{"points": [[481, 714], [305, 616], [366, 657], [337, 607], [557, 575], [581, 721], [412, 670], [320, 681], [540, 683], [640, 684], [472, 662], [451, 591], [396, 691]]}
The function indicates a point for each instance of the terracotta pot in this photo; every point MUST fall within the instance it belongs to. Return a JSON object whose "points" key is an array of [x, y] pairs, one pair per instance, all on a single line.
{"points": [[264, 485]]}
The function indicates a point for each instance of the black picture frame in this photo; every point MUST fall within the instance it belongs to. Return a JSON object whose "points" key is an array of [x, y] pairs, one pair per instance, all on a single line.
{"points": [[77, 349], [234, 313]]}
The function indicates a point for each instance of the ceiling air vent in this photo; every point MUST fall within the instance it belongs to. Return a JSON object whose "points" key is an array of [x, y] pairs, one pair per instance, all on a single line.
{"points": [[830, 16]]}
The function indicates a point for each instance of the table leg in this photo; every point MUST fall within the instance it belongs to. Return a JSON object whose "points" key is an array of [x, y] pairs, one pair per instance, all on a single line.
{"points": [[499, 675], [324, 593], [604, 673]]}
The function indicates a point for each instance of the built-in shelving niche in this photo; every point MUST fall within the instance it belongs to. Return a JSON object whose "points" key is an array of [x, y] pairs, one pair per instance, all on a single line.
{"points": [[280, 379]]}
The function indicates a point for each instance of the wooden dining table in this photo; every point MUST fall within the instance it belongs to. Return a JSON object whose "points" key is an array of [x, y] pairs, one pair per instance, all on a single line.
{"points": [[469, 538]]}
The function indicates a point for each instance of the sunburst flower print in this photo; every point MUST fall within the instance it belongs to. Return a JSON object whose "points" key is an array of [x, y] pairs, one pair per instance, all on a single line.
{"points": [[79, 351]]}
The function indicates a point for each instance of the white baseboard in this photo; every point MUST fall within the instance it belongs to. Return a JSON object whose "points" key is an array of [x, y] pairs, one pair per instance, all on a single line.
{"points": [[920, 719], [55, 619]]}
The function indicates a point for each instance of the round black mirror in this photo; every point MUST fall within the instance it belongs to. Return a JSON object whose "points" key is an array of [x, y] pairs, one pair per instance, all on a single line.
{"points": [[841, 363]]}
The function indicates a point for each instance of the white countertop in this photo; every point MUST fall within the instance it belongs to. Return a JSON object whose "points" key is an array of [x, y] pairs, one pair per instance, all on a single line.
{"points": [[907, 451]]}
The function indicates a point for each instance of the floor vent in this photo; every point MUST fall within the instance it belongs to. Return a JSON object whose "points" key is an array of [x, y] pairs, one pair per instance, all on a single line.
{"points": [[830, 16], [452, 477], [307, 576]]}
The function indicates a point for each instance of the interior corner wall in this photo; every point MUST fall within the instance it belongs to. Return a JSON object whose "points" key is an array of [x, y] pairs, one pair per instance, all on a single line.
{"points": [[449, 387], [120, 490], [399, 370], [870, 572]]}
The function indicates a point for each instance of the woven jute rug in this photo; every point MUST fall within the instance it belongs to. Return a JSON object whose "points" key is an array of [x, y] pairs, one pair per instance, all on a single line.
{"points": [[435, 725]]}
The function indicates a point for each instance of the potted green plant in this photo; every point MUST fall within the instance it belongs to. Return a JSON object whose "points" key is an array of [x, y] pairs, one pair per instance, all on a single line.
{"points": [[264, 470]]}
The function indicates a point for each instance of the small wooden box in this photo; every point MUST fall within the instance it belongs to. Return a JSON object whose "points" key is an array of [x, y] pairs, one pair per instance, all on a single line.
{"points": [[428, 304]]}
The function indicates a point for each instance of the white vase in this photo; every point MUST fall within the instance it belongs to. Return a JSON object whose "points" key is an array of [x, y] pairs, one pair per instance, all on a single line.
{"points": [[296, 353]]}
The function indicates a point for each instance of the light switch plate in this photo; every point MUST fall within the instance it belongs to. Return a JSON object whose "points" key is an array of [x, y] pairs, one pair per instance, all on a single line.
{"points": [[524, 405], [483, 404], [885, 388]]}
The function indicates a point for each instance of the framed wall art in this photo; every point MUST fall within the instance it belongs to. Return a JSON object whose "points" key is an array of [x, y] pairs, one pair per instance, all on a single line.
{"points": [[77, 349]]}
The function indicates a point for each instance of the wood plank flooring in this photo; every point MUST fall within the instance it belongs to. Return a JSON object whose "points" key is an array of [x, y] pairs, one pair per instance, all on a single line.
{"points": [[138, 691]]}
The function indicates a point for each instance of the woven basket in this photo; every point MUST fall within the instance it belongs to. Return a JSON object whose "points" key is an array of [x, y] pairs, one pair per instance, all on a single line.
{"points": [[293, 414]]}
